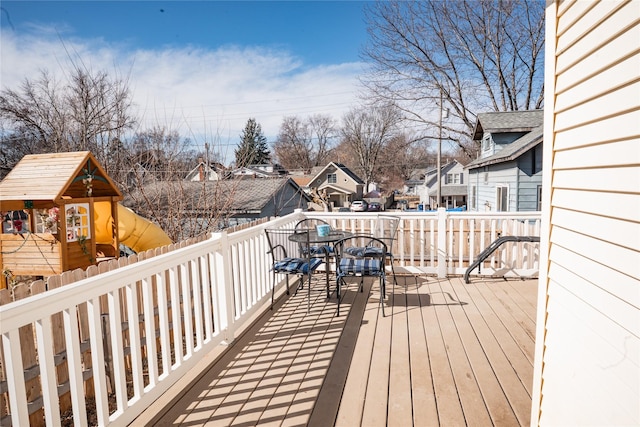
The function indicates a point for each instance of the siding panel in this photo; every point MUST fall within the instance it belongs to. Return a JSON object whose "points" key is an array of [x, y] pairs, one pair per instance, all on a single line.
{"points": [[623, 233], [585, 36], [589, 389], [603, 252], [616, 102], [616, 128], [609, 280], [620, 153], [622, 179], [600, 59], [625, 72], [624, 315], [620, 205]]}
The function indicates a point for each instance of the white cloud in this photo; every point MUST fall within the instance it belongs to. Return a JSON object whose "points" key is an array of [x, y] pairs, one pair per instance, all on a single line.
{"points": [[203, 94]]}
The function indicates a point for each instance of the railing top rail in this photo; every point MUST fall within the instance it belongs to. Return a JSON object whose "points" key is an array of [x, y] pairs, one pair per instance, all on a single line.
{"points": [[427, 214]]}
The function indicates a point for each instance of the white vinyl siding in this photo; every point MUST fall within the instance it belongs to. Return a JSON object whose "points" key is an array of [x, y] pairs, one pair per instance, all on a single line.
{"points": [[587, 367]]}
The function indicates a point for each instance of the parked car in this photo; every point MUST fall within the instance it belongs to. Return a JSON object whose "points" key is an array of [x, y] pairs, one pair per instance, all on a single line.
{"points": [[374, 207], [359, 206], [343, 209]]}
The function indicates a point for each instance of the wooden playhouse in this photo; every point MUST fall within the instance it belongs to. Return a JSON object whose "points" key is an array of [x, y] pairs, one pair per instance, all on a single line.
{"points": [[59, 213]]}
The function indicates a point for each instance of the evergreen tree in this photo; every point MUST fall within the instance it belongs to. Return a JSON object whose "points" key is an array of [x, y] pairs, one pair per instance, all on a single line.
{"points": [[253, 148]]}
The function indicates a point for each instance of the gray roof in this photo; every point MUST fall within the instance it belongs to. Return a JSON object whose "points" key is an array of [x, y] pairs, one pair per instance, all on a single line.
{"points": [[511, 151], [508, 121], [234, 195]]}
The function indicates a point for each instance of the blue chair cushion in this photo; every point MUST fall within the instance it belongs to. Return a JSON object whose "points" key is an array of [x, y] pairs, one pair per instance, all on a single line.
{"points": [[296, 265], [361, 252], [364, 266]]}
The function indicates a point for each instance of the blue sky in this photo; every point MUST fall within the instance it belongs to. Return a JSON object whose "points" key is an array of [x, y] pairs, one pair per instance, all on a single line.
{"points": [[201, 67]]}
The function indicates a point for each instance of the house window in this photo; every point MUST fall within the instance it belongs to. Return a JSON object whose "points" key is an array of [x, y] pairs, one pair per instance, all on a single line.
{"points": [[539, 207], [77, 220], [332, 178], [486, 142], [502, 198], [472, 200], [453, 178]]}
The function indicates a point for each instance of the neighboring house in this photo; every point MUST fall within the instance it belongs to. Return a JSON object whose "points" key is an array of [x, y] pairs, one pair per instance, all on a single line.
{"points": [[229, 202], [257, 171], [453, 188], [204, 172], [337, 184], [453, 191], [507, 177], [415, 185], [587, 358]]}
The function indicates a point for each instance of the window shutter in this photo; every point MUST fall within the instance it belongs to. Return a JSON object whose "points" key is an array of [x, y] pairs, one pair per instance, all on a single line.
{"points": [[461, 178]]}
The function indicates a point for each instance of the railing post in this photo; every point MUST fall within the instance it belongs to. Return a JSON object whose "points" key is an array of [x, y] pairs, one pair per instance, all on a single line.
{"points": [[225, 292], [442, 243]]}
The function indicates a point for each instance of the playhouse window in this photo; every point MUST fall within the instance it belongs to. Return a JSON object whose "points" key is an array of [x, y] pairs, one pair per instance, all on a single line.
{"points": [[47, 220], [77, 219]]}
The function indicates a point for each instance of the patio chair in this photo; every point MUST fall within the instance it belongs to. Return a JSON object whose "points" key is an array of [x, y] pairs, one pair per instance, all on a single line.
{"points": [[281, 249], [386, 229], [360, 256]]}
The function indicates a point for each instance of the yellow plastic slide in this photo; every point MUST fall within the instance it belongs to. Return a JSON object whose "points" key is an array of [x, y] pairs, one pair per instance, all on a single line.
{"points": [[134, 231]]}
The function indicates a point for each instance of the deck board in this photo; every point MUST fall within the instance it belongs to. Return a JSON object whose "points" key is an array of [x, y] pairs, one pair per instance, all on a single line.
{"points": [[447, 353]]}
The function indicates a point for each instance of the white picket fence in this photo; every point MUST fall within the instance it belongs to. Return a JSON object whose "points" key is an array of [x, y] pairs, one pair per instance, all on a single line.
{"points": [[129, 334]]}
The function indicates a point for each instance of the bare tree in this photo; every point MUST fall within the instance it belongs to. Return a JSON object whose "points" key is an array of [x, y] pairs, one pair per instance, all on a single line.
{"points": [[325, 133], [402, 157], [474, 55], [161, 153], [303, 144], [366, 131], [88, 112]]}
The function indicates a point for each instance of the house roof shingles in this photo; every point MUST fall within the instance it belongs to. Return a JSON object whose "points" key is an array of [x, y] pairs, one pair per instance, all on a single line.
{"points": [[507, 121], [237, 195], [511, 151]]}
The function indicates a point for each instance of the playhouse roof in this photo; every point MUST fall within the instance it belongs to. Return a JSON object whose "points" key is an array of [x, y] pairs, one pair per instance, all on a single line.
{"points": [[56, 177]]}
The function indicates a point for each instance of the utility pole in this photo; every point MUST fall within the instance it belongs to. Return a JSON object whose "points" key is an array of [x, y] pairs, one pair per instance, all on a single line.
{"points": [[438, 165]]}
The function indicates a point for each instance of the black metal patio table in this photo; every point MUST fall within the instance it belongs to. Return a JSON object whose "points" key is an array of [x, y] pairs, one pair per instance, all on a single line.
{"points": [[315, 238]]}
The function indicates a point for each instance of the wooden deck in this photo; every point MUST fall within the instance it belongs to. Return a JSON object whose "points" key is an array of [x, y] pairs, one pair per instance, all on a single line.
{"points": [[446, 354]]}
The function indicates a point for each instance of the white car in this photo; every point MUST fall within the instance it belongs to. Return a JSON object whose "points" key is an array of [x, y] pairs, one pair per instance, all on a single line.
{"points": [[359, 206]]}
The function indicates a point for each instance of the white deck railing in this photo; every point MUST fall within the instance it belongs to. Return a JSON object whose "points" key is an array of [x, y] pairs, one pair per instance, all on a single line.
{"points": [[189, 301]]}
